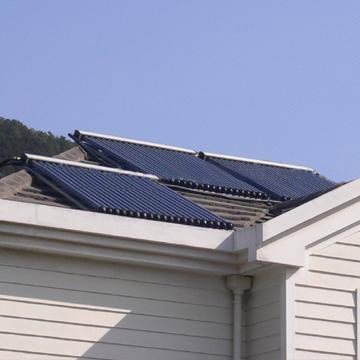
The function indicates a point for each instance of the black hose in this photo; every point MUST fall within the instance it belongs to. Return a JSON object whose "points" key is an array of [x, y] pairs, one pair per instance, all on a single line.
{"points": [[13, 161]]}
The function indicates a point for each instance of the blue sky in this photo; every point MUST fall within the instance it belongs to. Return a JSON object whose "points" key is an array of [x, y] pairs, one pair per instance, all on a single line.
{"points": [[269, 79]]}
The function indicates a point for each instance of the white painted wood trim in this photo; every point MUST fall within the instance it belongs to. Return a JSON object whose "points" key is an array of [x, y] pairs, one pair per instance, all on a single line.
{"points": [[287, 314], [116, 138], [290, 237], [89, 166], [313, 210], [114, 226], [263, 162], [357, 324], [52, 230], [168, 257]]}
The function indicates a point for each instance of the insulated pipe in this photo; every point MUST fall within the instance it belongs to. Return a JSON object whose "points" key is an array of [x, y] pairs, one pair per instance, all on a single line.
{"points": [[238, 284]]}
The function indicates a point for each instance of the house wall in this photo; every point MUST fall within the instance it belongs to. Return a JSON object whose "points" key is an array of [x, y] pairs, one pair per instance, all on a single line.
{"points": [[63, 308], [261, 326], [326, 314]]}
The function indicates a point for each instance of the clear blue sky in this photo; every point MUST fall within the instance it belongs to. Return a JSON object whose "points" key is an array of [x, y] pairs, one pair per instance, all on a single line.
{"points": [[269, 79]]}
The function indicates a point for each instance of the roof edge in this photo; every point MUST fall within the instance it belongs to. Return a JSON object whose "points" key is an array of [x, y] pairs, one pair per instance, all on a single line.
{"points": [[51, 217], [313, 209], [290, 237]]}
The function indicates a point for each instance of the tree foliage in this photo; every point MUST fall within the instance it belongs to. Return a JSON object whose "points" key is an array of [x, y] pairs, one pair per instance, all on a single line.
{"points": [[16, 139]]}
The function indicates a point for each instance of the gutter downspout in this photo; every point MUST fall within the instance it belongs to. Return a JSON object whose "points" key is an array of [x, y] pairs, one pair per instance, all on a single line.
{"points": [[237, 284]]}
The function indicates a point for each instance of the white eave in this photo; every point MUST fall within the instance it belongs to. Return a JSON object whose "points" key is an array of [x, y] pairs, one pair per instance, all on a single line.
{"points": [[288, 238], [55, 230]]}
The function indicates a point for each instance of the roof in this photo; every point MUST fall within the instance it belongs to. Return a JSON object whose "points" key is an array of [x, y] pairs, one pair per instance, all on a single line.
{"points": [[188, 182]]}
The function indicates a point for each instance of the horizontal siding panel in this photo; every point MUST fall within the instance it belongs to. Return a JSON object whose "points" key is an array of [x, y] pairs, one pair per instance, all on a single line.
{"points": [[262, 297], [335, 266], [342, 251], [115, 336], [263, 313], [262, 316], [352, 239], [113, 302], [325, 312], [97, 317], [115, 287], [103, 311], [325, 296], [324, 344], [263, 329], [271, 355], [263, 345], [103, 270], [325, 328], [97, 351], [326, 304], [17, 355], [329, 281], [311, 355]]}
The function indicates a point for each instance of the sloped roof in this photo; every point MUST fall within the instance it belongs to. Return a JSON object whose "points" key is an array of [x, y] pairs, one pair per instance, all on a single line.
{"points": [[220, 202]]}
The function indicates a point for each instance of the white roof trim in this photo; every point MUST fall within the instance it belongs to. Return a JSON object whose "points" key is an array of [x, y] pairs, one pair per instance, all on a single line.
{"points": [[264, 162], [116, 138], [52, 230], [89, 166], [95, 223], [288, 238]]}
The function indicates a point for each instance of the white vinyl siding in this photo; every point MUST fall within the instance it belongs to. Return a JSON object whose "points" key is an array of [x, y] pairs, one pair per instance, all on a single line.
{"points": [[262, 317], [326, 311], [61, 308]]}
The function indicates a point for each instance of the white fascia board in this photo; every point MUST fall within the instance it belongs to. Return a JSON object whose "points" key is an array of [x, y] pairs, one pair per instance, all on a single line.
{"points": [[89, 166], [278, 252], [312, 210], [116, 138], [263, 162], [290, 237], [115, 250], [114, 225]]}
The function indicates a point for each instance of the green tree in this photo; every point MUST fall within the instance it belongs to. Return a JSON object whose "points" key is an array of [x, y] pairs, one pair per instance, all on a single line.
{"points": [[16, 139]]}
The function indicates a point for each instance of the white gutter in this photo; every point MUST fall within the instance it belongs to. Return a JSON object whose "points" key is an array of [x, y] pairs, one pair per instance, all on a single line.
{"points": [[89, 166], [105, 237], [264, 162], [116, 138], [115, 226], [238, 284]]}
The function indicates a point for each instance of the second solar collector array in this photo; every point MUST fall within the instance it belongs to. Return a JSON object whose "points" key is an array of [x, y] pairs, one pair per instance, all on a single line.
{"points": [[175, 167]]}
